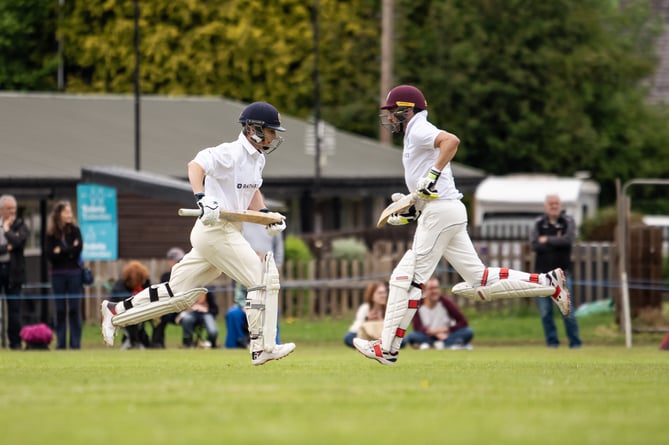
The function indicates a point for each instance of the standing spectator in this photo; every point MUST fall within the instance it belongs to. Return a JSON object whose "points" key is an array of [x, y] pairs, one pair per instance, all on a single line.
{"points": [[13, 235], [134, 279], [63, 249], [173, 256], [439, 323], [237, 328], [369, 316], [552, 238]]}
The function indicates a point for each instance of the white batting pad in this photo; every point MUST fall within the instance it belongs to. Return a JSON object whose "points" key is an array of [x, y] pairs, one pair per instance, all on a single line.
{"points": [[165, 305], [503, 289]]}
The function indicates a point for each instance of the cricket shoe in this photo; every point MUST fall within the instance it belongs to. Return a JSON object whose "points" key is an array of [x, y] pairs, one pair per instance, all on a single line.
{"points": [[561, 295], [372, 349], [108, 329], [279, 352]]}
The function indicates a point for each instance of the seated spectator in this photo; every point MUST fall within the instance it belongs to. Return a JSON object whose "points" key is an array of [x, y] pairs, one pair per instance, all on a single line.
{"points": [[368, 323], [202, 313], [173, 256], [134, 278], [439, 323]]}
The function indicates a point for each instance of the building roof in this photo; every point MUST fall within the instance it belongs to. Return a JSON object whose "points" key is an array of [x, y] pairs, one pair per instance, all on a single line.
{"points": [[532, 189], [56, 135]]}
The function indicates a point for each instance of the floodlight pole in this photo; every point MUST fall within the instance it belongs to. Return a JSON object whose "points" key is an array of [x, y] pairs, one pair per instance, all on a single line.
{"points": [[623, 206]]}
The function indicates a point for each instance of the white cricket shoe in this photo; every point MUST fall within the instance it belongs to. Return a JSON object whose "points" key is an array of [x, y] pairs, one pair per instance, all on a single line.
{"points": [[279, 352], [108, 329], [561, 295], [372, 349]]}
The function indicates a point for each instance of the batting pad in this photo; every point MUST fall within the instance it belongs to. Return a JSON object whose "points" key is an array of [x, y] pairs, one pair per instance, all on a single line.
{"points": [[262, 308], [402, 303], [179, 302], [503, 289]]}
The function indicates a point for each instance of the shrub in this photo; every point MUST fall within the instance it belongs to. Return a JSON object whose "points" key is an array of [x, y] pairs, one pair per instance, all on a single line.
{"points": [[295, 249], [349, 249]]}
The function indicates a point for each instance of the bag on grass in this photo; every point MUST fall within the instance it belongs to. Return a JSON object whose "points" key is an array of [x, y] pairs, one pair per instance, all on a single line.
{"points": [[371, 330]]}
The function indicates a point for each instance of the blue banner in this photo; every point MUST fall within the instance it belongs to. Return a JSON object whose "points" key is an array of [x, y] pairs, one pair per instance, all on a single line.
{"points": [[96, 209]]}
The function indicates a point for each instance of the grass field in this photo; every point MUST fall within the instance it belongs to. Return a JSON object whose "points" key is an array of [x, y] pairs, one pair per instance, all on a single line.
{"points": [[508, 390]]}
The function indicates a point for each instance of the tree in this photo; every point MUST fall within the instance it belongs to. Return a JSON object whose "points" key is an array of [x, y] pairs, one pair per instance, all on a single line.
{"points": [[539, 86], [28, 51]]}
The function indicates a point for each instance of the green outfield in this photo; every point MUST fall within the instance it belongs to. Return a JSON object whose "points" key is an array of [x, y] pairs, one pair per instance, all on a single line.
{"points": [[505, 391]]}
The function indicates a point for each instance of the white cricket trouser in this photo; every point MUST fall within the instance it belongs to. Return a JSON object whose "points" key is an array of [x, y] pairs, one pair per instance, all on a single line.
{"points": [[442, 231], [217, 249]]}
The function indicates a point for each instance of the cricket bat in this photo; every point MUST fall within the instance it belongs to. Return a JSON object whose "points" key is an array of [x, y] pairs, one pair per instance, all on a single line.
{"points": [[398, 206], [251, 216]]}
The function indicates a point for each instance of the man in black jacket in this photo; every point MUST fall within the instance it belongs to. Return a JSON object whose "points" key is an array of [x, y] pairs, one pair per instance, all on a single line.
{"points": [[552, 238], [13, 235]]}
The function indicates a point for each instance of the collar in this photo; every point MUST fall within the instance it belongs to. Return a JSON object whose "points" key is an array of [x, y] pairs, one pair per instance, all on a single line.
{"points": [[250, 149], [422, 115]]}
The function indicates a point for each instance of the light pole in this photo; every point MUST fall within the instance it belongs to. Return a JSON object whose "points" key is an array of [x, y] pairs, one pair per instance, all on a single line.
{"points": [[137, 109]]}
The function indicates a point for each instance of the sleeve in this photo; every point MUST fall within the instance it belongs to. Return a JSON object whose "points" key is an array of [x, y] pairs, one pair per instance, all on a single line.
{"points": [[418, 322], [18, 235], [360, 317], [534, 236], [455, 313], [49, 244], [566, 239], [211, 303], [213, 157]]}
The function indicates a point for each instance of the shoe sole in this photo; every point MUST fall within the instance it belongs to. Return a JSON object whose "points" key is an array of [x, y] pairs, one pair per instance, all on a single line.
{"points": [[273, 358], [563, 280], [381, 360], [102, 324]]}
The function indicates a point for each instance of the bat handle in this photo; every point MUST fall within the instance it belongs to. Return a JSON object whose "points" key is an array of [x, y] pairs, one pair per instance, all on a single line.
{"points": [[190, 212]]}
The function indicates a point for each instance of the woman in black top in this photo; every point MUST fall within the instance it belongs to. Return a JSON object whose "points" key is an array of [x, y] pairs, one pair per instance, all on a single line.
{"points": [[63, 248]]}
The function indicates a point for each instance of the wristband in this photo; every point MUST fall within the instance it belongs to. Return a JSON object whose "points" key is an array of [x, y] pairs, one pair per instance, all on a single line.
{"points": [[264, 210], [198, 196], [434, 174]]}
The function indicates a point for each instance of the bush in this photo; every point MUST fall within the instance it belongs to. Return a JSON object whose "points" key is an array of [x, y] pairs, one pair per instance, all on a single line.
{"points": [[349, 249], [295, 249], [603, 226]]}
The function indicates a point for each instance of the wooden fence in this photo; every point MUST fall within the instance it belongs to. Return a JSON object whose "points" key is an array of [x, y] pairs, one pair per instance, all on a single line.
{"points": [[334, 288]]}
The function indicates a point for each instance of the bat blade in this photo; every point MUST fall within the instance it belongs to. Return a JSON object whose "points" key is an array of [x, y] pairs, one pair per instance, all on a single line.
{"points": [[251, 216], [398, 206]]}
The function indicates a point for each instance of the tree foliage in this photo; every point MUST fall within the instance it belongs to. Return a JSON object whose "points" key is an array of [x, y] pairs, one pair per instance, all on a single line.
{"points": [[28, 49], [547, 86], [540, 86], [239, 49]]}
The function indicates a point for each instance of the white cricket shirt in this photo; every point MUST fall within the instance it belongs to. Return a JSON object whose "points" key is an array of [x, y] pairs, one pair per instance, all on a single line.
{"points": [[419, 156], [234, 172]]}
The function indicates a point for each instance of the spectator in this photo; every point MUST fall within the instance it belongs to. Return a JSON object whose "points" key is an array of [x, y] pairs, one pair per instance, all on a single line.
{"points": [[13, 235], [63, 249], [368, 321], [202, 313], [439, 323], [134, 278], [552, 238], [173, 256], [237, 327]]}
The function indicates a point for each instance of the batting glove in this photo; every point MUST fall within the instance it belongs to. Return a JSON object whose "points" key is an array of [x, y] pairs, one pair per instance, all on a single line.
{"points": [[397, 196], [426, 185], [276, 228], [400, 219], [209, 214]]}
